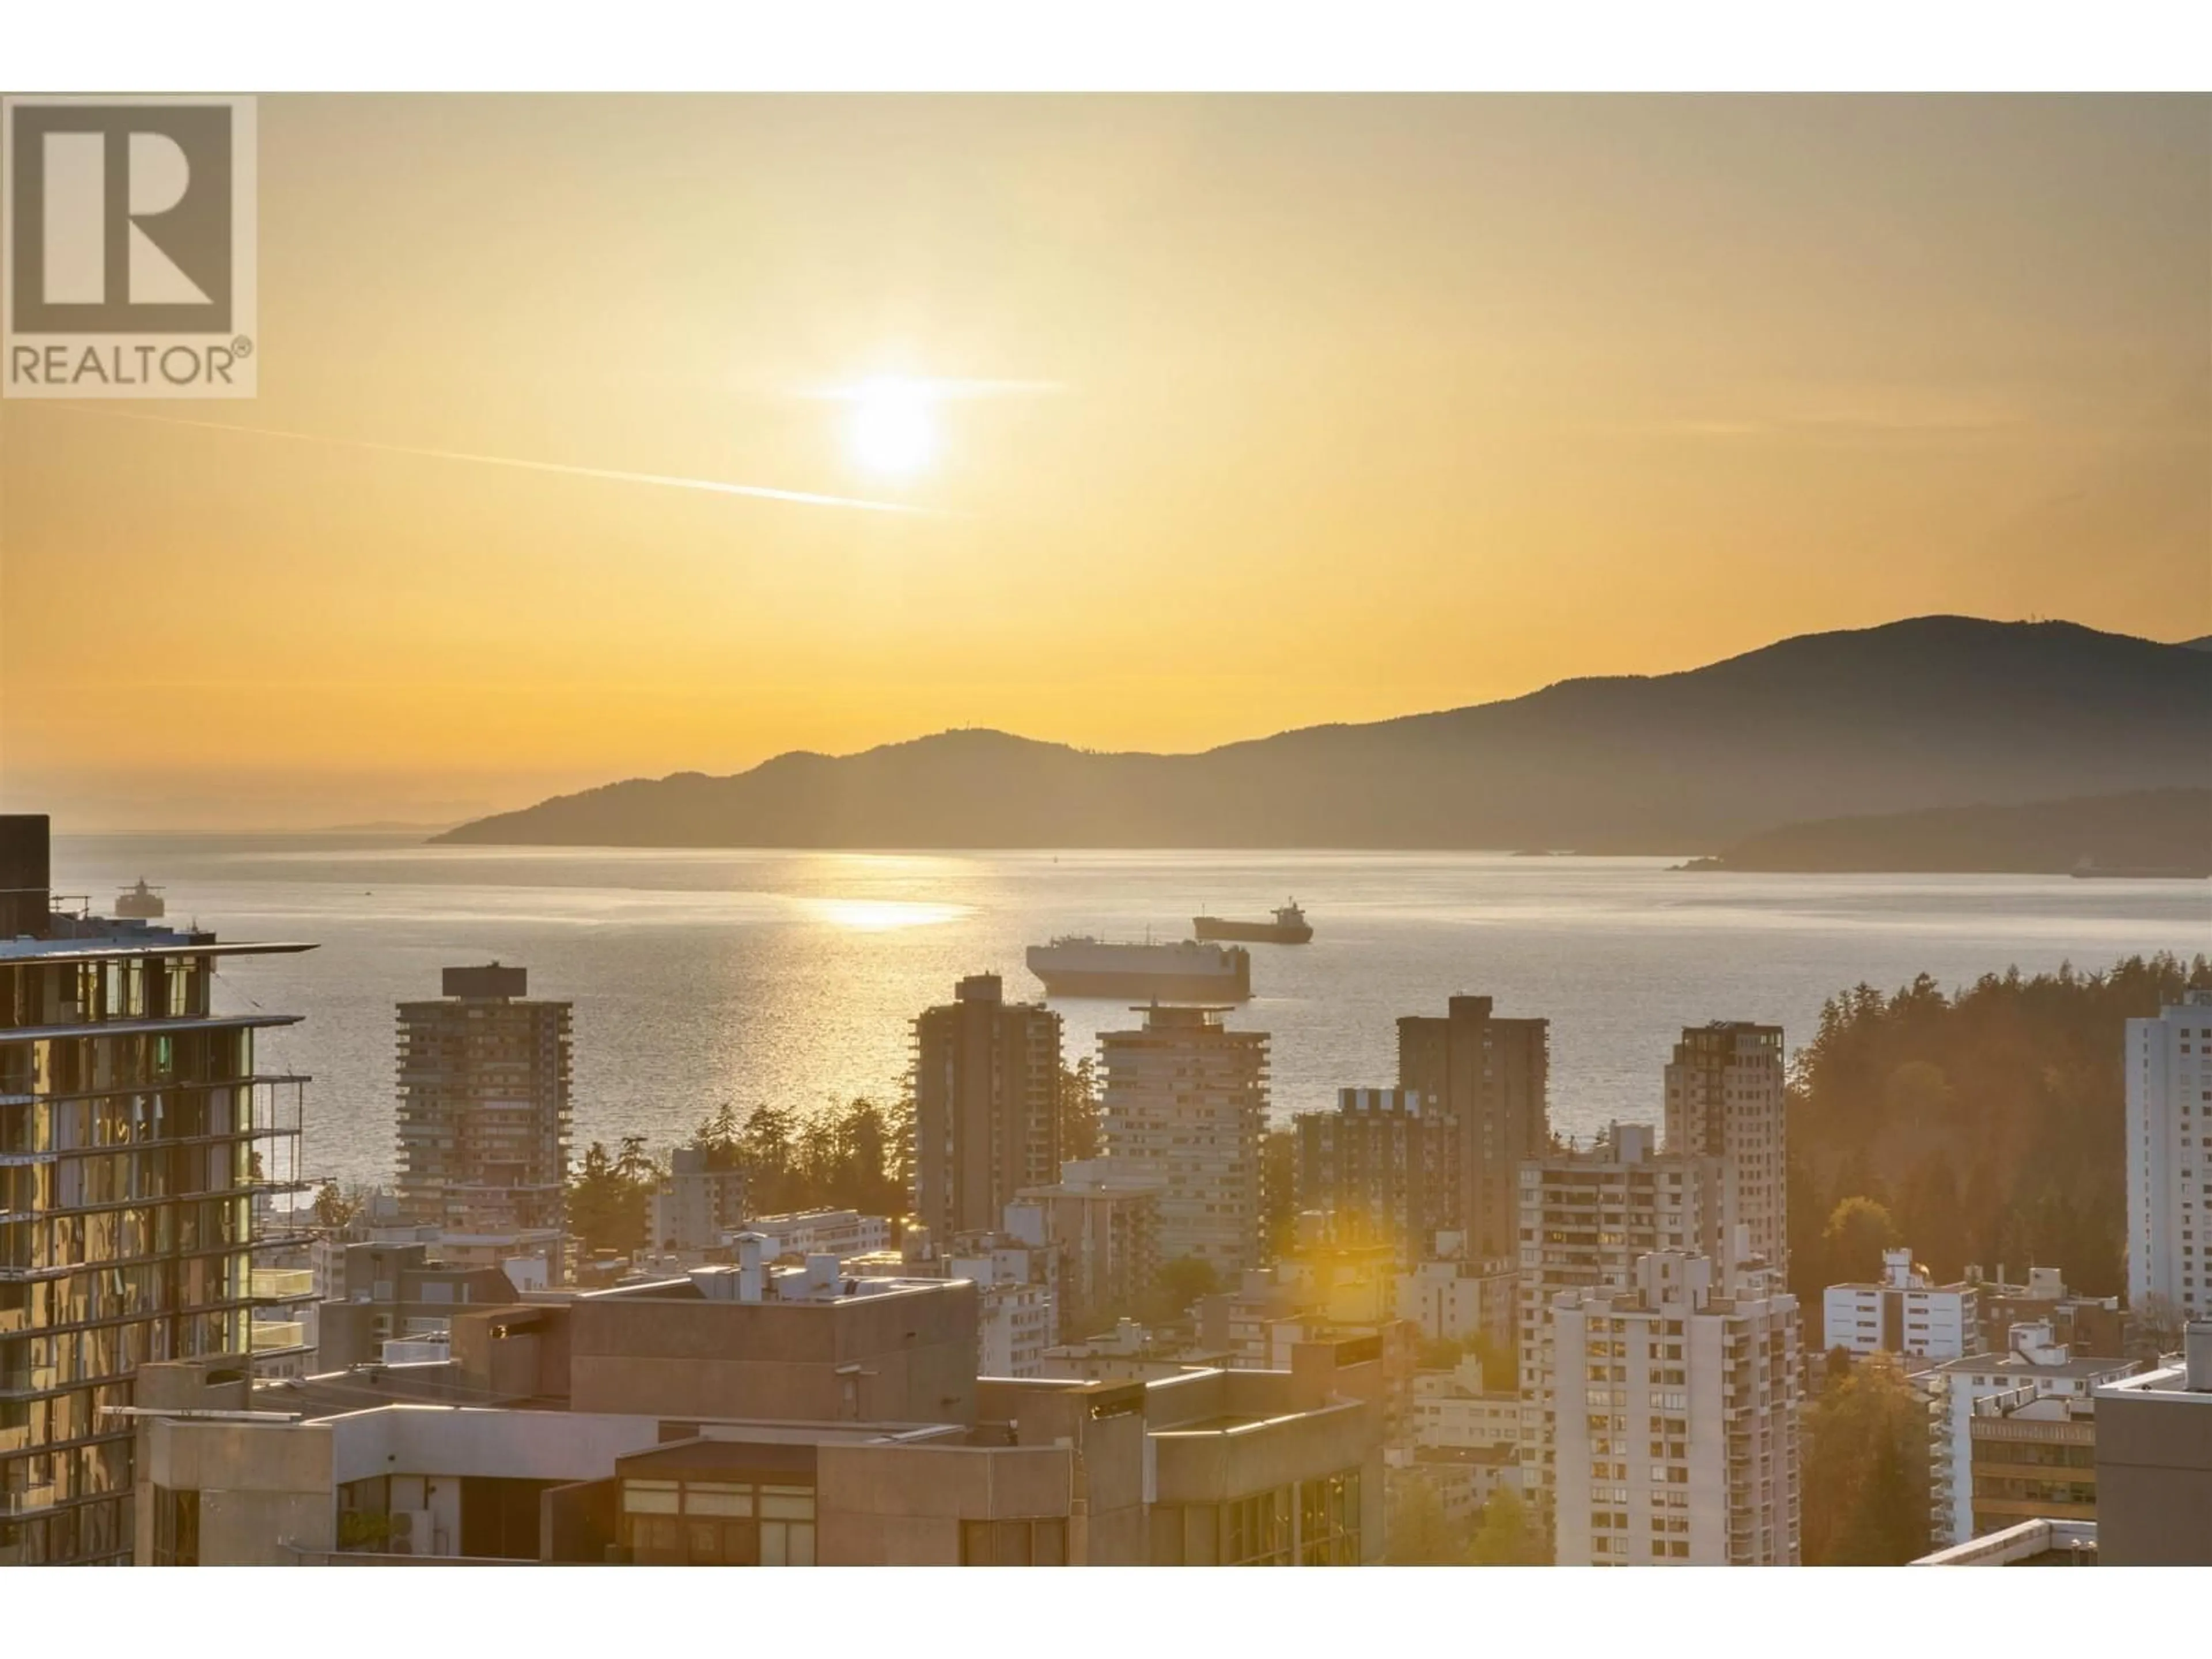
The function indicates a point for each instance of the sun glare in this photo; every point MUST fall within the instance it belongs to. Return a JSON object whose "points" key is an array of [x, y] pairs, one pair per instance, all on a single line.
{"points": [[881, 915], [893, 426]]}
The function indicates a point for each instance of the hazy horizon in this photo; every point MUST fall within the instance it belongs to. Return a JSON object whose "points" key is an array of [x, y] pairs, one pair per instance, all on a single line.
{"points": [[1223, 417]]}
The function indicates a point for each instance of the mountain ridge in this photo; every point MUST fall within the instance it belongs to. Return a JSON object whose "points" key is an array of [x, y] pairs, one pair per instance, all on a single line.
{"points": [[1928, 711]]}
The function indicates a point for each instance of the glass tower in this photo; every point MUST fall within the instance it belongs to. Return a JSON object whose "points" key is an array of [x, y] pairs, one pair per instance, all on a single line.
{"points": [[139, 1148]]}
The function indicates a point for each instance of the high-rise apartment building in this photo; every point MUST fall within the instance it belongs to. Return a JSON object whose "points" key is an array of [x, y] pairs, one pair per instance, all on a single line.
{"points": [[986, 1107], [1679, 1444], [137, 1130], [1185, 1105], [1725, 1100], [484, 1109], [1490, 1076], [1586, 1218], [2169, 1062], [1385, 1164]]}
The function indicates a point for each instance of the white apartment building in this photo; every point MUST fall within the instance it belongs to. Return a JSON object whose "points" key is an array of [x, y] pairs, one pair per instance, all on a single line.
{"points": [[1902, 1314], [1014, 1315], [1586, 1216], [2032, 1361], [1453, 1409], [821, 1232], [1185, 1106], [2169, 1062], [1453, 1299], [1680, 1445], [1725, 1100]]}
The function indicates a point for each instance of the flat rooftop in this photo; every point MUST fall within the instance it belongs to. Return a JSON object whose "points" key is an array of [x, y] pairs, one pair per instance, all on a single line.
{"points": [[2167, 1381], [2013, 1364]]}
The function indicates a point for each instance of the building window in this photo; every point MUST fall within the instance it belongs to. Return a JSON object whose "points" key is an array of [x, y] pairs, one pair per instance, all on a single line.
{"points": [[1255, 1531], [1329, 1520], [1041, 1543], [717, 1523], [176, 1528]]}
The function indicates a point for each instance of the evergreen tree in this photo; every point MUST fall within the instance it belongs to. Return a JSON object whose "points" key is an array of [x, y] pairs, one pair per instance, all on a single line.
{"points": [[610, 1197], [1078, 1111], [1990, 1121], [1858, 1232], [1866, 1473]]}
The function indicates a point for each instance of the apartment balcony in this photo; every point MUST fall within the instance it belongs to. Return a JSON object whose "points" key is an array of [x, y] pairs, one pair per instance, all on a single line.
{"points": [[273, 1336], [21, 1275], [26, 1500], [283, 1284], [27, 1380]]}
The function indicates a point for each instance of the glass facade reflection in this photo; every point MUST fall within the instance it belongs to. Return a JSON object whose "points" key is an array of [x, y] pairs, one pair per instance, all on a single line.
{"points": [[135, 1137]]}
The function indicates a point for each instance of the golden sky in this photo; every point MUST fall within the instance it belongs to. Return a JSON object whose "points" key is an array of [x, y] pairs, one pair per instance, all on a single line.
{"points": [[1270, 411]]}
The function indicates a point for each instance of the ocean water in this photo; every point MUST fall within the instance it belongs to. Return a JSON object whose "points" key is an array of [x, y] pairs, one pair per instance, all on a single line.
{"points": [[700, 976]]}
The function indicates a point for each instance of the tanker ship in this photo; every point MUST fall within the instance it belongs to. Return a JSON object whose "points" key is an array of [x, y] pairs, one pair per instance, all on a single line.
{"points": [[1187, 972], [1290, 926]]}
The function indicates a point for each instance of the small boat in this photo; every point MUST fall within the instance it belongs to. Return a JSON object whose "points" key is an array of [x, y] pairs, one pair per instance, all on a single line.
{"points": [[1289, 927], [141, 903]]}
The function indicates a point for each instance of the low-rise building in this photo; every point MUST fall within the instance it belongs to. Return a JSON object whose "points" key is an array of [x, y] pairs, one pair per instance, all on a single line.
{"points": [[1902, 1313], [573, 1430], [2032, 1362], [820, 1232], [1269, 1468], [1455, 1409], [1104, 1227], [1015, 1319], [1322, 1280], [382, 1293], [1455, 1298], [1462, 1478], [699, 1203], [2032, 1456], [2086, 1324]]}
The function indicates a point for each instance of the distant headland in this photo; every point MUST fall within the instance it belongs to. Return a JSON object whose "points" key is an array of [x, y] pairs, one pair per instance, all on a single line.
{"points": [[1930, 713]]}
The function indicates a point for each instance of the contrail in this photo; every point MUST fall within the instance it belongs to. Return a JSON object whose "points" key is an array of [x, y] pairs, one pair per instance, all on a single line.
{"points": [[664, 481]]}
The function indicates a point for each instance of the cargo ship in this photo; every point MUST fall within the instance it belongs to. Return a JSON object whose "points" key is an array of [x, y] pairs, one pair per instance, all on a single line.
{"points": [[1289, 927], [1188, 972], [141, 903]]}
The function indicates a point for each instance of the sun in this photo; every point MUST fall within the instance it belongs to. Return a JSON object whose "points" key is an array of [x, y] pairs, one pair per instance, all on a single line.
{"points": [[892, 429]]}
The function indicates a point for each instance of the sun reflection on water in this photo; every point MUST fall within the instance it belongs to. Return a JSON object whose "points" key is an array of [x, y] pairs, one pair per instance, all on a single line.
{"points": [[879, 915]]}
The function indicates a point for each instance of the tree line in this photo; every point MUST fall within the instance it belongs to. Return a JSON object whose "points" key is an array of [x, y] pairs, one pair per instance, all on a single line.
{"points": [[1982, 1126], [1986, 1126], [856, 1154]]}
